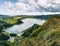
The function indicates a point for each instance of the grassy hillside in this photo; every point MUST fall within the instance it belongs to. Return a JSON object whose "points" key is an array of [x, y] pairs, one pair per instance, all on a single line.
{"points": [[46, 35], [7, 21]]}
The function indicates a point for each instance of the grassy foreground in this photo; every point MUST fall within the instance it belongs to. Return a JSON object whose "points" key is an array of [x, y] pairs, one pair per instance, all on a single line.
{"points": [[46, 35]]}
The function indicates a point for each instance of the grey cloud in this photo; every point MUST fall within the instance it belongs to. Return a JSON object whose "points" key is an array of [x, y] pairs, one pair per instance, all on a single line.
{"points": [[31, 6]]}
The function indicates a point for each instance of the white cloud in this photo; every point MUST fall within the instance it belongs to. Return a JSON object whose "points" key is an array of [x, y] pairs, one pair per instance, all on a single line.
{"points": [[30, 6]]}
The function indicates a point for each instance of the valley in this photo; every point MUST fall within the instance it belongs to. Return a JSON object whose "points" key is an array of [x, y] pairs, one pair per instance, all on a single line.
{"points": [[23, 30]]}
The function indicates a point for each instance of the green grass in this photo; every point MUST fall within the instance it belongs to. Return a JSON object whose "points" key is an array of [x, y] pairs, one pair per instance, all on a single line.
{"points": [[10, 21]]}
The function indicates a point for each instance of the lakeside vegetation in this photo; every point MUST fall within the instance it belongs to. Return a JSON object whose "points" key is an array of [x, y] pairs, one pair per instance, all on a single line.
{"points": [[5, 22]]}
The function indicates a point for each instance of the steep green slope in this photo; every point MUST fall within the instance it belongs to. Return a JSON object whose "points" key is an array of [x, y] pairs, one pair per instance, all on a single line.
{"points": [[28, 31], [46, 35]]}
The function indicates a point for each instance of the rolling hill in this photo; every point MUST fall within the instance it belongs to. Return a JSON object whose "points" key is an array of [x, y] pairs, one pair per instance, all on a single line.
{"points": [[46, 35]]}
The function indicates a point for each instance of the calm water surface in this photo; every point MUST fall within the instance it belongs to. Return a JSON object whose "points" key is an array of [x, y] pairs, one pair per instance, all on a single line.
{"points": [[28, 22]]}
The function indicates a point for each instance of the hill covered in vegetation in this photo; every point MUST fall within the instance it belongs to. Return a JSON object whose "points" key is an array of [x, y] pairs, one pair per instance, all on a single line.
{"points": [[46, 35]]}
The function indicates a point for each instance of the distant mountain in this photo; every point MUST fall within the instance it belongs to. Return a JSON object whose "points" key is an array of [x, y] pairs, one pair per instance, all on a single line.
{"points": [[46, 17], [4, 16], [28, 16]]}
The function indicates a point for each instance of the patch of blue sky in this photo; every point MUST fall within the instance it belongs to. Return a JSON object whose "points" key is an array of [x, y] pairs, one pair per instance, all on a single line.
{"points": [[13, 1]]}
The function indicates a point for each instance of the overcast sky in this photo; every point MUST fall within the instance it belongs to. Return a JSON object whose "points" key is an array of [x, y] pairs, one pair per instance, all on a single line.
{"points": [[14, 7]]}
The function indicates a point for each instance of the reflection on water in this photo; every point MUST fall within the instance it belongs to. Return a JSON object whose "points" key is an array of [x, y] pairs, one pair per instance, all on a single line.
{"points": [[28, 22]]}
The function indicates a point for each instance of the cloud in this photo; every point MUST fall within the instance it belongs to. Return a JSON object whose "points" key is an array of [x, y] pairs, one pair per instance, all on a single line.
{"points": [[22, 6]]}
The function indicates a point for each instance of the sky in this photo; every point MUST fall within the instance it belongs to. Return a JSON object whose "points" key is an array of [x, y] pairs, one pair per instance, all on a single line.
{"points": [[16, 7]]}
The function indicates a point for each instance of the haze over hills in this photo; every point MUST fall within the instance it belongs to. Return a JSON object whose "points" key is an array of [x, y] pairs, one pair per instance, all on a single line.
{"points": [[45, 16], [4, 16], [33, 13]]}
